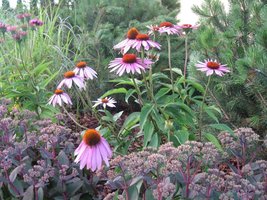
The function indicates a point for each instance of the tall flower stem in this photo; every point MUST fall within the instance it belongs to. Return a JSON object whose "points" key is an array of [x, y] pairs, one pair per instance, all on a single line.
{"points": [[201, 109], [137, 91], [186, 56], [169, 61], [74, 120]]}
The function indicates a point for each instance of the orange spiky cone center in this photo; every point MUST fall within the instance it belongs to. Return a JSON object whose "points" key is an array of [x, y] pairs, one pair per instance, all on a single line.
{"points": [[213, 65], [166, 24], [129, 58], [132, 33], [142, 37], [104, 100], [69, 74], [81, 64], [187, 25], [91, 137], [58, 91]]}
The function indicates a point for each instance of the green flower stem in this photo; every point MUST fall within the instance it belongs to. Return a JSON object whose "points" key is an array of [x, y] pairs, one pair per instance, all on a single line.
{"points": [[74, 120], [170, 63], [140, 100], [99, 119], [147, 85], [186, 57], [201, 110]]}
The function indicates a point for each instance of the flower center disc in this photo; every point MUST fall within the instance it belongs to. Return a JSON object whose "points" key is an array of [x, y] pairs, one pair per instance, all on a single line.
{"points": [[91, 137], [132, 33], [81, 64], [58, 91], [166, 24], [213, 65], [104, 100], [129, 58], [69, 74], [187, 25], [142, 37]]}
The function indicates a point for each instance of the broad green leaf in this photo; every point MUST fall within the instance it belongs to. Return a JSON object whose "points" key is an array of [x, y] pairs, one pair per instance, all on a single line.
{"points": [[117, 116], [41, 68], [213, 140], [114, 91], [149, 194], [154, 140], [122, 81], [210, 113], [73, 187], [28, 194], [129, 94], [14, 173], [63, 158], [131, 120], [144, 114], [182, 136], [40, 193], [148, 132], [222, 127], [196, 85], [162, 92], [44, 83]]}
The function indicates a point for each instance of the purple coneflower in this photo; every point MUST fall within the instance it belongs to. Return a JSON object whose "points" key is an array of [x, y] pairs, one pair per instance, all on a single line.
{"points": [[35, 22], [19, 35], [84, 71], [188, 26], [108, 101], [210, 67], [12, 29], [70, 77], [92, 151], [126, 44], [58, 97], [152, 29], [143, 40], [169, 28], [129, 63]]}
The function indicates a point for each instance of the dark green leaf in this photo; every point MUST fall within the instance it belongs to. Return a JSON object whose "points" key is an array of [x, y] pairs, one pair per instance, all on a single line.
{"points": [[213, 140]]}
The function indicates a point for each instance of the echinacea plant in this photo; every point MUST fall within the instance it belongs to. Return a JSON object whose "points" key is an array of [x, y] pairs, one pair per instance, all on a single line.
{"points": [[37, 157]]}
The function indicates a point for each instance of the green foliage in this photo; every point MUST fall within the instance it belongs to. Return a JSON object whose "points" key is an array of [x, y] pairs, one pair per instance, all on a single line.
{"points": [[237, 38], [29, 67]]}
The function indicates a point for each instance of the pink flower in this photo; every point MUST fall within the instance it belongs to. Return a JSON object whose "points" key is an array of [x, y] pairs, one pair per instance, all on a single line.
{"points": [[84, 71], [126, 44], [210, 67], [169, 28], [129, 63], [143, 40], [92, 151], [108, 101], [58, 97], [152, 29], [19, 35], [188, 26], [35, 22], [11, 29], [70, 77]]}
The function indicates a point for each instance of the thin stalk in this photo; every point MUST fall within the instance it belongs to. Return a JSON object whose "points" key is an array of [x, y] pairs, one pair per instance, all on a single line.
{"points": [[138, 91], [201, 109], [74, 120], [170, 63], [186, 56]]}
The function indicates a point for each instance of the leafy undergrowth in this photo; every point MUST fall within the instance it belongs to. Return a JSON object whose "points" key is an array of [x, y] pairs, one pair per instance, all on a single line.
{"points": [[36, 160]]}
